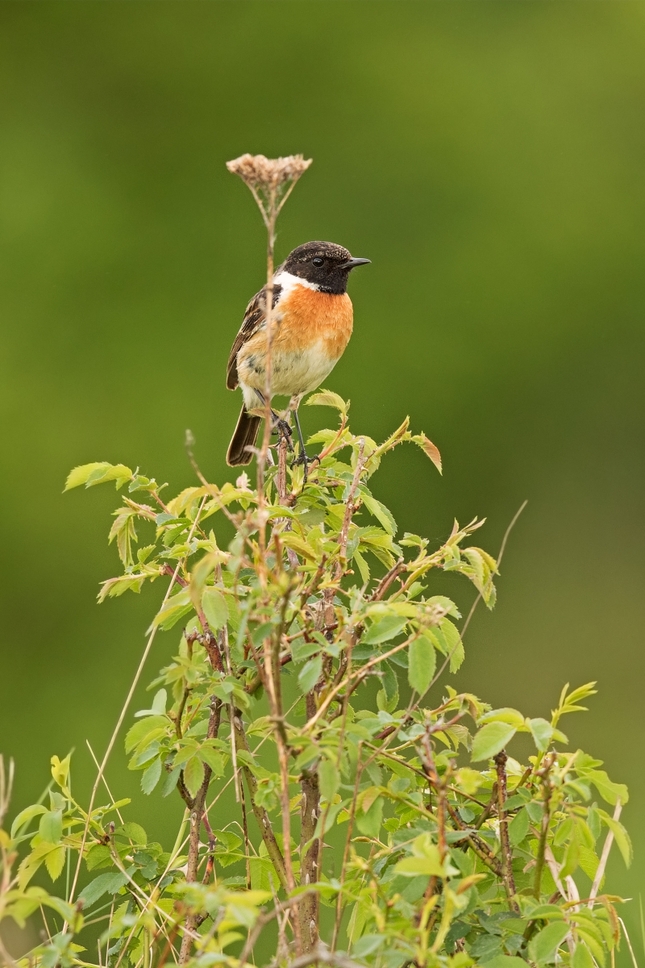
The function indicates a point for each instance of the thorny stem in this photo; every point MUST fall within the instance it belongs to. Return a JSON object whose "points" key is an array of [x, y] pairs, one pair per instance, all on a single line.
{"points": [[438, 784], [309, 847], [476, 844], [507, 855], [196, 817]]}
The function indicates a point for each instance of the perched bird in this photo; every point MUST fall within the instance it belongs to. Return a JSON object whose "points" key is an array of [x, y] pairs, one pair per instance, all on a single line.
{"points": [[311, 323]]}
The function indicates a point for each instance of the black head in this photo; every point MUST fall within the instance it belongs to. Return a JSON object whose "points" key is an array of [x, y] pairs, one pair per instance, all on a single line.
{"points": [[324, 264]]}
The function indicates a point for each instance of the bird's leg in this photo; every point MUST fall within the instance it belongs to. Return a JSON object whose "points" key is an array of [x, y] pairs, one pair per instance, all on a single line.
{"points": [[279, 426], [302, 455]]}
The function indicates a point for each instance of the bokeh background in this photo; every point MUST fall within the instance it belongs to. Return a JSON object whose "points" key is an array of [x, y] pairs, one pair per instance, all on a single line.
{"points": [[489, 158]]}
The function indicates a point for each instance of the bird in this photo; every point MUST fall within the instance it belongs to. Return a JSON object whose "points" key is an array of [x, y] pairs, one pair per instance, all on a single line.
{"points": [[311, 321]]}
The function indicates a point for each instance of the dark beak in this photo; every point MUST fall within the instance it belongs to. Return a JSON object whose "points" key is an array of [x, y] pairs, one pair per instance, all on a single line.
{"points": [[352, 263]]}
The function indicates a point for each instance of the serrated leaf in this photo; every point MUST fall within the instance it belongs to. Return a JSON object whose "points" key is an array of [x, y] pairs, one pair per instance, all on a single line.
{"points": [[134, 832], [97, 473], [608, 790], [504, 715], [51, 826], [422, 662], [151, 776], [103, 884], [380, 512], [384, 629], [176, 606], [518, 827], [542, 733], [504, 961], [55, 861], [621, 837], [429, 449], [582, 957], [25, 816], [214, 758], [327, 398], [310, 674], [490, 739], [543, 946], [369, 822], [137, 733], [114, 587], [329, 779], [193, 775], [215, 608]]}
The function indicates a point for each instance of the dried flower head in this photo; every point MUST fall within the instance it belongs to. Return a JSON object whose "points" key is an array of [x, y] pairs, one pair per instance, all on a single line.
{"points": [[268, 174], [270, 180]]}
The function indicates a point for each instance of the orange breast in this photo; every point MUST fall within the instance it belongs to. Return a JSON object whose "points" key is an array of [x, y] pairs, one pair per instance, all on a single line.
{"points": [[310, 317]]}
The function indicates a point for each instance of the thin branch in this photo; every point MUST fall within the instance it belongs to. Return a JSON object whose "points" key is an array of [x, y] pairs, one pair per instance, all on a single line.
{"points": [[507, 853], [604, 857]]}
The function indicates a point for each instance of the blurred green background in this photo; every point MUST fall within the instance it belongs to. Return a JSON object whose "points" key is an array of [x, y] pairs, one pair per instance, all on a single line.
{"points": [[489, 158]]}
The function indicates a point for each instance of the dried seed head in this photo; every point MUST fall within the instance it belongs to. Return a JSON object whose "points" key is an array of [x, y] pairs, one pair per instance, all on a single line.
{"points": [[270, 180], [268, 174]]}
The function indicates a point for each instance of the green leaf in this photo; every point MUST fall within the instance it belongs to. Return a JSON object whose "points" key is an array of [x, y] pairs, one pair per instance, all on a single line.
{"points": [[384, 629], [490, 739], [448, 640], [608, 790], [114, 587], [193, 775], [546, 942], [504, 961], [137, 733], [151, 776], [380, 512], [215, 608], [518, 827], [214, 758], [176, 606], [582, 957], [55, 861], [327, 398], [103, 884], [133, 832], [504, 715], [26, 816], [329, 779], [98, 473], [621, 837], [310, 674], [421, 865], [369, 822], [426, 860], [542, 733], [422, 661], [51, 826]]}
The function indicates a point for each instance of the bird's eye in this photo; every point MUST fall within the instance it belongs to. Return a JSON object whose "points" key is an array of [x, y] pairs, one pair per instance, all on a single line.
{"points": [[318, 262]]}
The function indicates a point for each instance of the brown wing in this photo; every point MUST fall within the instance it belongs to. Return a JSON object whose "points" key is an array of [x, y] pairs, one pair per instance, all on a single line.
{"points": [[254, 318]]}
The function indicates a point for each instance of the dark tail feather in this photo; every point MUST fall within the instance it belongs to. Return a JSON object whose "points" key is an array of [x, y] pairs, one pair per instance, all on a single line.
{"points": [[245, 435]]}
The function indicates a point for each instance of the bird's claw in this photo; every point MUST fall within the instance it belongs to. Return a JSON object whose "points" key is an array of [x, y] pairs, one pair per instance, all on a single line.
{"points": [[305, 461]]}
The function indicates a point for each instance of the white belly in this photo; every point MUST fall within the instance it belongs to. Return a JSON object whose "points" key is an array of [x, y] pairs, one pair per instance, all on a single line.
{"points": [[292, 373]]}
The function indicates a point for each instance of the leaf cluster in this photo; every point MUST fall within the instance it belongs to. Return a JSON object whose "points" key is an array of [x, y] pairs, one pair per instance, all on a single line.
{"points": [[379, 817]]}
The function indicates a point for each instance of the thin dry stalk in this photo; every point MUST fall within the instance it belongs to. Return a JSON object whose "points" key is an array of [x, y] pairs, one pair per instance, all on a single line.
{"points": [[604, 857]]}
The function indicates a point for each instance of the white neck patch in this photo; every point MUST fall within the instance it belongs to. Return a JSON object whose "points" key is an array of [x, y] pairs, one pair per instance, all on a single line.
{"points": [[288, 282]]}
